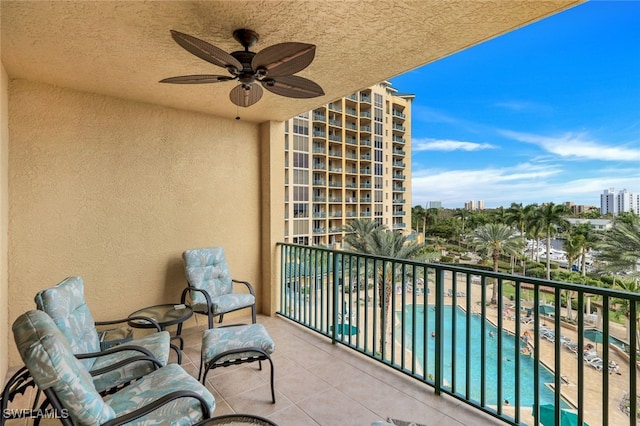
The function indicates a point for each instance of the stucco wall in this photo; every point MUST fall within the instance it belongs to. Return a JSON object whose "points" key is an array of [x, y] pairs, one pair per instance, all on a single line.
{"points": [[4, 214], [114, 191]]}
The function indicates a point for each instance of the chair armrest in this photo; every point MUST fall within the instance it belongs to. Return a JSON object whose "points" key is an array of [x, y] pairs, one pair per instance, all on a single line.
{"points": [[206, 411], [124, 362], [247, 283], [126, 320], [183, 297], [144, 353]]}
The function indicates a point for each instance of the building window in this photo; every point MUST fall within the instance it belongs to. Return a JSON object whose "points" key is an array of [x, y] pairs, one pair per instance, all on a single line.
{"points": [[300, 210], [300, 160]]}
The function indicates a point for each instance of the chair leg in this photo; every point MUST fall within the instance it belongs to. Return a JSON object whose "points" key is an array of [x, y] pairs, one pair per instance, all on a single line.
{"points": [[221, 318], [253, 313]]}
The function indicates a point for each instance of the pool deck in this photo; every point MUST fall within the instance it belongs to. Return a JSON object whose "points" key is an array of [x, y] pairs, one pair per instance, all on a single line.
{"points": [[592, 379]]}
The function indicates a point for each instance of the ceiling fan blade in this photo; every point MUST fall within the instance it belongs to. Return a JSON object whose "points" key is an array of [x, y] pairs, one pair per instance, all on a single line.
{"points": [[293, 86], [284, 58], [245, 97], [206, 51], [197, 79]]}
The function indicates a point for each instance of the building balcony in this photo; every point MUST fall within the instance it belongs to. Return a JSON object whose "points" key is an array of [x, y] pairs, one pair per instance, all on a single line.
{"points": [[399, 127], [319, 167], [436, 312], [398, 139], [319, 117], [398, 114], [399, 213], [319, 134], [365, 129], [399, 164], [335, 153], [399, 189], [399, 177], [366, 99], [351, 111], [335, 107], [399, 201], [319, 215], [365, 142], [351, 141], [336, 138]]}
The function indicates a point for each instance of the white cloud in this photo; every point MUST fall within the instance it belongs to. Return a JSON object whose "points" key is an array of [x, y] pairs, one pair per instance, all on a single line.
{"points": [[524, 106], [427, 144], [523, 183], [577, 146]]}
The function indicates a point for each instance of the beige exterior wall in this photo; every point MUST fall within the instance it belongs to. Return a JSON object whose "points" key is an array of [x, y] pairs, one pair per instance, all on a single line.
{"points": [[344, 178], [4, 222], [114, 191]]}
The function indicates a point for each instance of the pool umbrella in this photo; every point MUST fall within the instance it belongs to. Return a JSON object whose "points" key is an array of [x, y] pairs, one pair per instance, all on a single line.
{"points": [[546, 310], [594, 336], [567, 417]]}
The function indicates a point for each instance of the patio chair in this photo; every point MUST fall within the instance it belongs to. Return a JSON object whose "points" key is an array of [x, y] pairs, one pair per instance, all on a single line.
{"points": [[211, 287], [65, 304], [168, 395]]}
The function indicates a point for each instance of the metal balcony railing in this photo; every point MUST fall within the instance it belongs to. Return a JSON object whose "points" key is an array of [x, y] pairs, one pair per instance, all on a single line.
{"points": [[492, 340]]}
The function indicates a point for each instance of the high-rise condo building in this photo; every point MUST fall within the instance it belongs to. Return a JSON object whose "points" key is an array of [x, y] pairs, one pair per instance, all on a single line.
{"points": [[623, 201], [608, 202], [345, 160]]}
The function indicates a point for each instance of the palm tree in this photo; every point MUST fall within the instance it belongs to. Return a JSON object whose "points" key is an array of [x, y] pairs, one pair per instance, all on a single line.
{"points": [[551, 218], [590, 238], [356, 231], [573, 248], [620, 246], [496, 239], [378, 241]]}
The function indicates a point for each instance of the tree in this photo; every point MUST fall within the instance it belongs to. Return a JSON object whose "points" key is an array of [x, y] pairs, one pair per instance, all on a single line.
{"points": [[573, 248], [552, 218], [378, 241], [496, 239], [620, 246], [356, 231]]}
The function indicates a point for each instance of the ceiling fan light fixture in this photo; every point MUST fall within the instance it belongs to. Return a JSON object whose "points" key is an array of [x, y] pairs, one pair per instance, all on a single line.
{"points": [[273, 67]]}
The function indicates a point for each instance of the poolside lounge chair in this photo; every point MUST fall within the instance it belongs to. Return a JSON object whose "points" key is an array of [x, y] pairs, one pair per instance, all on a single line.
{"points": [[596, 362]]}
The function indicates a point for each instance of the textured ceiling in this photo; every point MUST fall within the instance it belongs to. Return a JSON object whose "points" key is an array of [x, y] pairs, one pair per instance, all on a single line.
{"points": [[123, 48]]}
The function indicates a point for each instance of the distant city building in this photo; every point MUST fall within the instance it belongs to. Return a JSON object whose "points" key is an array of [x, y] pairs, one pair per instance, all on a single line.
{"points": [[471, 205], [346, 160], [622, 202], [579, 208], [627, 202], [608, 202], [434, 204]]}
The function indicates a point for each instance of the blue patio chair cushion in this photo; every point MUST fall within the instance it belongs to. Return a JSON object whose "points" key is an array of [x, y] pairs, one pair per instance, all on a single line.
{"points": [[207, 269], [219, 340], [51, 362], [48, 356], [65, 304], [157, 343], [183, 411]]}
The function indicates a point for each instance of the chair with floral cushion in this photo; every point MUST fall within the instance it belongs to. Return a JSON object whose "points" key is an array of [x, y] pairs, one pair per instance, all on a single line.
{"points": [[211, 287], [168, 395], [65, 304]]}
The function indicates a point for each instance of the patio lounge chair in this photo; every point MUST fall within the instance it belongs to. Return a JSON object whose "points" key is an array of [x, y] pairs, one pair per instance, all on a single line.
{"points": [[210, 285], [66, 305], [167, 395], [595, 362]]}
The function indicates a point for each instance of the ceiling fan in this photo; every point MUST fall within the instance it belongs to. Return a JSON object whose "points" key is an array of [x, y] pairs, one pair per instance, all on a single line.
{"points": [[271, 67]]}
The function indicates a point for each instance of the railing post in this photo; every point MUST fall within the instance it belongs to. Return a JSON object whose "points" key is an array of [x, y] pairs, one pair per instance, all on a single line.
{"points": [[439, 361], [336, 291]]}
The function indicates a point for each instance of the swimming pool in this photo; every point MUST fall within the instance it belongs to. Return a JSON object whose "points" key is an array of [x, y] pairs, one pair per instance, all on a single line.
{"points": [[490, 361]]}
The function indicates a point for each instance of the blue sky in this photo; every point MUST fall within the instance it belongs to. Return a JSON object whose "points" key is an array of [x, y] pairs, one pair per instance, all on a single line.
{"points": [[548, 112]]}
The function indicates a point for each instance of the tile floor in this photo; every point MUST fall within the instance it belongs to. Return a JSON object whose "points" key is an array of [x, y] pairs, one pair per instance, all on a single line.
{"points": [[318, 383]]}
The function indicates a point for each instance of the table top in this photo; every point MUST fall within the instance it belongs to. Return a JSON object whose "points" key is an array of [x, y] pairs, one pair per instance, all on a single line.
{"points": [[237, 419], [165, 315]]}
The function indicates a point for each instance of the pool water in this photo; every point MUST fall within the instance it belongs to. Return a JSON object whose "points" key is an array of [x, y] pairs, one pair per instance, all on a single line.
{"points": [[509, 347]]}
